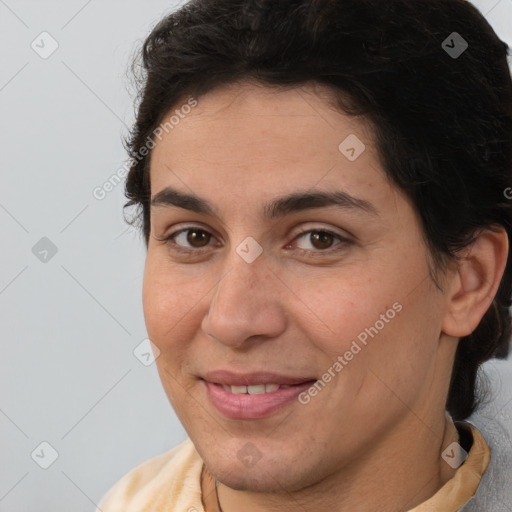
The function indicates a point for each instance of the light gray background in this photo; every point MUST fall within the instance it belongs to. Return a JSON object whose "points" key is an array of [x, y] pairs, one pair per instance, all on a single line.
{"points": [[69, 325]]}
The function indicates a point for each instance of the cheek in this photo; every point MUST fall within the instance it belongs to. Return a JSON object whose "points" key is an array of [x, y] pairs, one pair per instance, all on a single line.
{"points": [[337, 309], [171, 312], [171, 304], [373, 320], [399, 355]]}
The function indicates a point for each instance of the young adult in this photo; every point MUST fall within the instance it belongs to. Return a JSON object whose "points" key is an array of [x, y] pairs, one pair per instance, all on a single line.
{"points": [[323, 193]]}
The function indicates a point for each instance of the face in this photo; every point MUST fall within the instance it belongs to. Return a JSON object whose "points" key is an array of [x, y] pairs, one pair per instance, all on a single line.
{"points": [[292, 261]]}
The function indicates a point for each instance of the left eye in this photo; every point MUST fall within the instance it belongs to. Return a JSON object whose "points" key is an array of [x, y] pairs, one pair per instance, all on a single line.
{"points": [[319, 239]]}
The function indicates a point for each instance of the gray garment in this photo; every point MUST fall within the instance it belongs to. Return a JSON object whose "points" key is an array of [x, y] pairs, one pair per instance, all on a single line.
{"points": [[494, 421]]}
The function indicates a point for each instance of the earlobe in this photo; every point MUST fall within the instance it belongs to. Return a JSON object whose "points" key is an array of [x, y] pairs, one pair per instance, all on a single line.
{"points": [[474, 283]]}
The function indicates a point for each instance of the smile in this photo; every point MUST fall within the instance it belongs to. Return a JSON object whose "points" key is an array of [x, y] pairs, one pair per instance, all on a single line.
{"points": [[253, 402]]}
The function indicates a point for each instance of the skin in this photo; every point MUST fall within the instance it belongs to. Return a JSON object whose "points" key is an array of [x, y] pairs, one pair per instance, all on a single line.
{"points": [[372, 439]]}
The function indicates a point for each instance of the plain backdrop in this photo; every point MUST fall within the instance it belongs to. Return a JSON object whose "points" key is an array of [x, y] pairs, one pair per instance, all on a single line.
{"points": [[74, 396]]}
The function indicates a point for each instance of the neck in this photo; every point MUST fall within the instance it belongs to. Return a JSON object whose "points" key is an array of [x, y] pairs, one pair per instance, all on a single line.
{"points": [[398, 473]]}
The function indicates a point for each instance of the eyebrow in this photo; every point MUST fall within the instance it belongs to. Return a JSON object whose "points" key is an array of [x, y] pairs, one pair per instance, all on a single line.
{"points": [[278, 207]]}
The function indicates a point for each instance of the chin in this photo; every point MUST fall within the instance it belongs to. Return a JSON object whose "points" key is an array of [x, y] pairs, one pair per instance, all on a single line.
{"points": [[274, 475], [257, 480]]}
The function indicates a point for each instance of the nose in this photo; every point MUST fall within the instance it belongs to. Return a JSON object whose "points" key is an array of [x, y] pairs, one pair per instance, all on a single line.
{"points": [[246, 304]]}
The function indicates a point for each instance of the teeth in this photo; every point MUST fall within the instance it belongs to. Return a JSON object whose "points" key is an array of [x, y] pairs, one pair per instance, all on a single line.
{"points": [[256, 389], [238, 389]]}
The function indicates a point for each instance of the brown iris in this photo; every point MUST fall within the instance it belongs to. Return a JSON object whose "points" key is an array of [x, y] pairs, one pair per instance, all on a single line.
{"points": [[321, 239], [198, 237]]}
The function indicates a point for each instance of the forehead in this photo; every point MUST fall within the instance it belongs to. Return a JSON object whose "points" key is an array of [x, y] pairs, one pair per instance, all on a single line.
{"points": [[288, 132]]}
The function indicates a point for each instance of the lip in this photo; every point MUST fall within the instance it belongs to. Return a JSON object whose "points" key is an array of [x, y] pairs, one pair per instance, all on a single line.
{"points": [[230, 378], [252, 407]]}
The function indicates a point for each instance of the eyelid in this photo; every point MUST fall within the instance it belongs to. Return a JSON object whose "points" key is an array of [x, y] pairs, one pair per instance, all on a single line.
{"points": [[323, 229], [183, 226]]}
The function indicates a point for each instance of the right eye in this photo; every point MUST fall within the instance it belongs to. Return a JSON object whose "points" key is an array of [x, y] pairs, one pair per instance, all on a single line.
{"points": [[195, 237]]}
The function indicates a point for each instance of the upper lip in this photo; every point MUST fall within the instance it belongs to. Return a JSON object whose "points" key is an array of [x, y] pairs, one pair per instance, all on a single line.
{"points": [[230, 378]]}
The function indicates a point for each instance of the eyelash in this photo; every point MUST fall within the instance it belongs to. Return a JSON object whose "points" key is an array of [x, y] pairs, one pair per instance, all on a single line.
{"points": [[170, 241]]}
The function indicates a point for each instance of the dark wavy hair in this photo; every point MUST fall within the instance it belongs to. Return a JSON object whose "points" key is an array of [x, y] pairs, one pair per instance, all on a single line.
{"points": [[442, 122]]}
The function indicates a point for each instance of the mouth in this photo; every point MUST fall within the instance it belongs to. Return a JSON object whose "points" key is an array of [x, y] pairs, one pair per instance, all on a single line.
{"points": [[257, 399]]}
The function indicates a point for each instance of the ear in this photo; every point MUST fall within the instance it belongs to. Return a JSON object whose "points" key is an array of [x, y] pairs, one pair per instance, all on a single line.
{"points": [[472, 286]]}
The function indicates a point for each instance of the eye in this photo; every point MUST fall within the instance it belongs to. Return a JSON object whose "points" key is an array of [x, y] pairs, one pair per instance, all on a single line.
{"points": [[193, 239], [189, 239], [321, 240]]}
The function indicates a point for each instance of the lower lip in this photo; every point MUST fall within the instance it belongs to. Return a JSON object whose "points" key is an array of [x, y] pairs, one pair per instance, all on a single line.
{"points": [[252, 407]]}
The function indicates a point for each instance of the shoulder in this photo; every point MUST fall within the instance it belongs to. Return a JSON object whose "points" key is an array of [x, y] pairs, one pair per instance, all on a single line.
{"points": [[494, 421], [171, 479]]}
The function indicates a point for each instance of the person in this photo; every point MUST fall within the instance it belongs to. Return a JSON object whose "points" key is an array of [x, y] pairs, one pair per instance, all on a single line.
{"points": [[322, 190]]}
